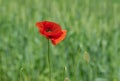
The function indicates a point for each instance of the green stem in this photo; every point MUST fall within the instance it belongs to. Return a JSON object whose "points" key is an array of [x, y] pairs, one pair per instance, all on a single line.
{"points": [[49, 61]]}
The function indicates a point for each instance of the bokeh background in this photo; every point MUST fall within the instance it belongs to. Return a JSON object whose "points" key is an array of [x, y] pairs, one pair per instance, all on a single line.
{"points": [[90, 52]]}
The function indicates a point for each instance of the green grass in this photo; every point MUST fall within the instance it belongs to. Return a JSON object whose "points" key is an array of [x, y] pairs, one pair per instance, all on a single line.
{"points": [[93, 26]]}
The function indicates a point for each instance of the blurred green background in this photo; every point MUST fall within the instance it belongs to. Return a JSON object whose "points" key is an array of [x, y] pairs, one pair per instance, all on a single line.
{"points": [[93, 32]]}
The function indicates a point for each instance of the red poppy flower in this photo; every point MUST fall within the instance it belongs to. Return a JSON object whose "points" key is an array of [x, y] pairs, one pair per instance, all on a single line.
{"points": [[52, 31]]}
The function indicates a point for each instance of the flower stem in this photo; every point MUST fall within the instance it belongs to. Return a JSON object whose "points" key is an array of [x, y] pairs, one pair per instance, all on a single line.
{"points": [[49, 61]]}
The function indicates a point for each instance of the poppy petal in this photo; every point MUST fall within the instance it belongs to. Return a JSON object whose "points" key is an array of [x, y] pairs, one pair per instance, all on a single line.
{"points": [[40, 27], [58, 40]]}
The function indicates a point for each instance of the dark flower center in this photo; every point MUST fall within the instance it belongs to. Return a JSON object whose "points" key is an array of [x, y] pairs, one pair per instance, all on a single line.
{"points": [[48, 30]]}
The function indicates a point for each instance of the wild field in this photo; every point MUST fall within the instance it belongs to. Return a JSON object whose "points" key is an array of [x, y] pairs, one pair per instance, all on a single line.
{"points": [[90, 51]]}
